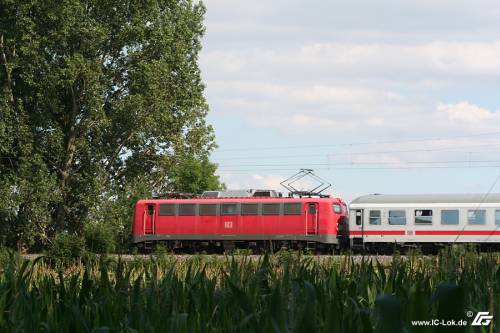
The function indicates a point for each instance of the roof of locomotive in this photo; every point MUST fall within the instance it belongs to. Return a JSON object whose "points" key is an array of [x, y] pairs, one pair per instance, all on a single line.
{"points": [[245, 199], [427, 198]]}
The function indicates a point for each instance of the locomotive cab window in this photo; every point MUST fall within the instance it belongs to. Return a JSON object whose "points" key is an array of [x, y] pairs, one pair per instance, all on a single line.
{"points": [[167, 210], [151, 209], [449, 216], [294, 208], [187, 209], [397, 217], [208, 209], [271, 209], [497, 217], [230, 209], [423, 216], [346, 211], [312, 208], [375, 217], [476, 216], [337, 208], [249, 209]]}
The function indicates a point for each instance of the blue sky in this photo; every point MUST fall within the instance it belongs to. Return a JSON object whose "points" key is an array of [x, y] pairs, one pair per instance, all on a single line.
{"points": [[376, 96]]}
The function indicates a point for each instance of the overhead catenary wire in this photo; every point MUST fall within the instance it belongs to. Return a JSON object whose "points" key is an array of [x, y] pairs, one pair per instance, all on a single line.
{"points": [[453, 149], [480, 204], [398, 163], [359, 143], [415, 167]]}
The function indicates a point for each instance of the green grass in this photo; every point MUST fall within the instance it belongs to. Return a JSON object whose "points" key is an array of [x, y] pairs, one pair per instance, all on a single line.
{"points": [[287, 292]]}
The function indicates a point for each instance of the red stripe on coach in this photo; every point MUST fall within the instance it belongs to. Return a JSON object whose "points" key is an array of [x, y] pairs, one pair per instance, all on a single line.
{"points": [[457, 232], [377, 232]]}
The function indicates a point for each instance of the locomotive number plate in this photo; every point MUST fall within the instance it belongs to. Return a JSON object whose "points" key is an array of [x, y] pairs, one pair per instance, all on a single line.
{"points": [[228, 224]]}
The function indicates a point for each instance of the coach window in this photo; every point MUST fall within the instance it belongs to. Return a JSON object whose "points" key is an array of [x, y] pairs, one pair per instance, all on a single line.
{"points": [[271, 209], [187, 209], [476, 216], [423, 216], [208, 209], [249, 209], [337, 208], [294, 208], [497, 217], [449, 216], [375, 217], [359, 217], [229, 209], [397, 217], [167, 210]]}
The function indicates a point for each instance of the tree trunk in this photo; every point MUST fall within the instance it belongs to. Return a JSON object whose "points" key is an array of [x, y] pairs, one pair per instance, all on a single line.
{"points": [[8, 74], [69, 154]]}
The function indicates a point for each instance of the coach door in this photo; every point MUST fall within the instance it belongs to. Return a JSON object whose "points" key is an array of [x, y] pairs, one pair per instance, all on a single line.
{"points": [[312, 216], [149, 219], [357, 226]]}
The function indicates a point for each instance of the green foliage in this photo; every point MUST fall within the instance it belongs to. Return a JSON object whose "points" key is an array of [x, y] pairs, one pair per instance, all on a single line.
{"points": [[194, 176], [160, 251], [283, 293], [100, 102], [99, 237], [66, 248]]}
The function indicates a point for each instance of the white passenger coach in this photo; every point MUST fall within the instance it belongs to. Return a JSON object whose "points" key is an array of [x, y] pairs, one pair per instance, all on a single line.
{"points": [[425, 219]]}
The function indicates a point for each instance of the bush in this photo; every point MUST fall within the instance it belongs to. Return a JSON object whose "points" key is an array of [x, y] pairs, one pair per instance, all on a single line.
{"points": [[66, 248], [99, 237]]}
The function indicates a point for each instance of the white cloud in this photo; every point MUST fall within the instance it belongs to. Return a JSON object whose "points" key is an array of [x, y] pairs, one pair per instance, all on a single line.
{"points": [[468, 113], [267, 181], [337, 72], [326, 60]]}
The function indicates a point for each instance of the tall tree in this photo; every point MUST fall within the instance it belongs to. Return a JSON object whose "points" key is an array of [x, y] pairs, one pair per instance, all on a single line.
{"points": [[96, 96]]}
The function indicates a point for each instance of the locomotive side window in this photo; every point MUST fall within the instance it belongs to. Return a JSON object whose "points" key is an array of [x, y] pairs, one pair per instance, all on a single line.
{"points": [[249, 209], [345, 209], [397, 217], [375, 217], [337, 209], [449, 216], [187, 209], [271, 209], [476, 216], [294, 208], [229, 209], [312, 209], [151, 209], [423, 216], [497, 217], [208, 209], [167, 210]]}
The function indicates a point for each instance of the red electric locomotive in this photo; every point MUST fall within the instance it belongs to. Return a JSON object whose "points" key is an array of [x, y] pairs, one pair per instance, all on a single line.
{"points": [[248, 220], [245, 221]]}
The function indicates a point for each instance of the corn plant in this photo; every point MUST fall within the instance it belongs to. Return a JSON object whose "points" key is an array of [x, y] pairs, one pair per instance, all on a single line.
{"points": [[286, 292]]}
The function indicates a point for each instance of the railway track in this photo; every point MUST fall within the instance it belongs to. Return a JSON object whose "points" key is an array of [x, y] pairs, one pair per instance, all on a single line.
{"points": [[256, 257]]}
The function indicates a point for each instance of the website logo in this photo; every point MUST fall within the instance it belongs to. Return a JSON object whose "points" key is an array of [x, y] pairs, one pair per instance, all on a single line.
{"points": [[482, 319]]}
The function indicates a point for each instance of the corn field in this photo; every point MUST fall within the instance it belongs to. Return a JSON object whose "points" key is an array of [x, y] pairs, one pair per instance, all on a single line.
{"points": [[284, 292]]}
